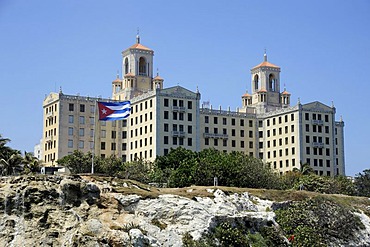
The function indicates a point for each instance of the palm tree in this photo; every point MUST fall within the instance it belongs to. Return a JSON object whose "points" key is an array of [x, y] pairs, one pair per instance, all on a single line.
{"points": [[30, 163], [4, 150], [305, 169], [11, 165]]}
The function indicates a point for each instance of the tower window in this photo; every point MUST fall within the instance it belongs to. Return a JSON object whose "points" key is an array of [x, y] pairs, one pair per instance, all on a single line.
{"points": [[256, 82], [126, 66], [272, 83], [142, 66]]}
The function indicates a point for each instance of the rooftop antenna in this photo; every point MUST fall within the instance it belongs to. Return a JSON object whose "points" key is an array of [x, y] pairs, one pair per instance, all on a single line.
{"points": [[157, 72], [137, 37], [265, 56]]}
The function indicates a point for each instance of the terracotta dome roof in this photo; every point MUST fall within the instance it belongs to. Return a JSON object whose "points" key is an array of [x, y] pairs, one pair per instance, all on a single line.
{"points": [[266, 64], [262, 90], [158, 78], [246, 95], [285, 92], [140, 46], [129, 74], [117, 80]]}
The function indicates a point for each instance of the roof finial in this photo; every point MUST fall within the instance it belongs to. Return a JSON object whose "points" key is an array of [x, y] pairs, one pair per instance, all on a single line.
{"points": [[157, 72], [137, 37], [117, 74], [265, 56]]}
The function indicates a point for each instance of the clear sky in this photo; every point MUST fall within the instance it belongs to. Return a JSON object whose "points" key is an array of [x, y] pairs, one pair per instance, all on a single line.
{"points": [[322, 48]]}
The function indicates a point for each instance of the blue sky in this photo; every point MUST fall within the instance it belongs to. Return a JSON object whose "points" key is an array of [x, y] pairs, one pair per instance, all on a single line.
{"points": [[322, 48]]}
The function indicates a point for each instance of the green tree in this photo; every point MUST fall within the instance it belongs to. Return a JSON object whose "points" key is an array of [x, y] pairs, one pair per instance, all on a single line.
{"points": [[362, 183], [31, 163], [11, 165], [77, 162]]}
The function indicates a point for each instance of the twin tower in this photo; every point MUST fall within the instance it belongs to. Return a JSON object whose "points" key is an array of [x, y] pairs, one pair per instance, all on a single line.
{"points": [[137, 67]]}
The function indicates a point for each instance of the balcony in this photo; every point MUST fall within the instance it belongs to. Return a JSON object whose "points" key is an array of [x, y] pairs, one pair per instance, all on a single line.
{"points": [[178, 133], [317, 122], [318, 145], [178, 108], [49, 139], [219, 136], [50, 114]]}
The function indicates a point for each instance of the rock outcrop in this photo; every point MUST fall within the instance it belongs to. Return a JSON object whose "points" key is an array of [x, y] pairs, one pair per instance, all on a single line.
{"points": [[71, 211]]}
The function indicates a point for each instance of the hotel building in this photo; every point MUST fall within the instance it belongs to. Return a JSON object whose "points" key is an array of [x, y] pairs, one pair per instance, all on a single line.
{"points": [[266, 126]]}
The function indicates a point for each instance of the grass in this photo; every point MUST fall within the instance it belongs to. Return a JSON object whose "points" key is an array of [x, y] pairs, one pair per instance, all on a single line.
{"points": [[148, 192]]}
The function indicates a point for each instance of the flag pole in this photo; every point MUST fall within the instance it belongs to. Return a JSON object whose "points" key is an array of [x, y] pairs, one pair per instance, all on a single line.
{"points": [[93, 146]]}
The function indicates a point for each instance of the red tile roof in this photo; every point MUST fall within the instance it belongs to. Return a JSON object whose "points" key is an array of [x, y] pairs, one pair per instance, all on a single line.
{"points": [[266, 64], [140, 46]]}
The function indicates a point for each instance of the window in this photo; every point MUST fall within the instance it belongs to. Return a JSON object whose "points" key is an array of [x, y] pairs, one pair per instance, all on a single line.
{"points": [[250, 144], [71, 107], [174, 102], [224, 142], [190, 117], [250, 133], [81, 132], [70, 131], [190, 105], [190, 129], [241, 122], [327, 129], [165, 115], [307, 139], [307, 116], [70, 143], [241, 133], [70, 119], [326, 118], [206, 141], [174, 140], [113, 146], [206, 130], [292, 117], [268, 122], [286, 118], [91, 120], [102, 145], [103, 134], [233, 132], [215, 142], [224, 121], [279, 120], [114, 134], [307, 128], [233, 121], [124, 134], [292, 139], [233, 143], [242, 144], [82, 120], [81, 144], [165, 127], [206, 119], [181, 116], [190, 140], [215, 120], [174, 127], [82, 108], [292, 128]]}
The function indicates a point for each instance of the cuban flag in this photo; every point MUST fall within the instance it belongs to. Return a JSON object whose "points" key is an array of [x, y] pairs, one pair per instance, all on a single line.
{"points": [[111, 111]]}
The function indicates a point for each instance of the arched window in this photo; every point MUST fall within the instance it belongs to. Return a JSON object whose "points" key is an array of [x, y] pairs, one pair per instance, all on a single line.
{"points": [[255, 82], [126, 66], [142, 66], [272, 81]]}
